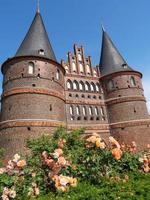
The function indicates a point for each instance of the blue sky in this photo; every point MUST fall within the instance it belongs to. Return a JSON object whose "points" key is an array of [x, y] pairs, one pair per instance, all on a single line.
{"points": [[79, 21]]}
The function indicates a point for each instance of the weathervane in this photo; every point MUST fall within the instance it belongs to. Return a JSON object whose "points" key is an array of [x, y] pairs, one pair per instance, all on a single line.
{"points": [[38, 6], [103, 28]]}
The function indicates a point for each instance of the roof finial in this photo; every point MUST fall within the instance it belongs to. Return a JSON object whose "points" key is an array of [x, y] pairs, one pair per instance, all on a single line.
{"points": [[103, 28], [38, 6]]}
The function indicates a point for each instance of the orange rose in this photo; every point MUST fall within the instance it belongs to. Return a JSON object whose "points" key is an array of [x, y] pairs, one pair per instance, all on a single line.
{"points": [[116, 153], [100, 144], [61, 143], [49, 162], [21, 163], [57, 153], [146, 168], [62, 188], [56, 180], [73, 182], [45, 155], [92, 139], [62, 161], [56, 168]]}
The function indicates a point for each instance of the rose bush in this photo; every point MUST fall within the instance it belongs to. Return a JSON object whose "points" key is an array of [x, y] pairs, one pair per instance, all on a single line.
{"points": [[63, 162]]}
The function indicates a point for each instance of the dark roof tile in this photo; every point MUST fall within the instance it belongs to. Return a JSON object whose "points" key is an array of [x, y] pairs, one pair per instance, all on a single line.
{"points": [[111, 60], [35, 40]]}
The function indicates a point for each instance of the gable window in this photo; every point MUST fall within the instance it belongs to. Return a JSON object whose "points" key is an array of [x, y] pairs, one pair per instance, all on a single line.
{"points": [[81, 86], [79, 57], [74, 69], [87, 86], [97, 88], [31, 68], [75, 85], [92, 87], [69, 85], [124, 65], [41, 52], [88, 69], [81, 68]]}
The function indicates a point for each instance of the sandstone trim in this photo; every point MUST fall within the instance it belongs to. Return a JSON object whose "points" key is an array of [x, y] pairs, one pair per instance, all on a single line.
{"points": [[130, 123], [30, 123], [125, 99], [34, 91]]}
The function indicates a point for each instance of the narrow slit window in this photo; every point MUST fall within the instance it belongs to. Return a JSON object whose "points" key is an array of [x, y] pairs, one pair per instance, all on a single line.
{"points": [[90, 111], [132, 81], [96, 111], [84, 110], [77, 110], [31, 68], [71, 110], [57, 74]]}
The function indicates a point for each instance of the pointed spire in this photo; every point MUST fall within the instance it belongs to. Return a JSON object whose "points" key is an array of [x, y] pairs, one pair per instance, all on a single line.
{"points": [[36, 41], [111, 60]]}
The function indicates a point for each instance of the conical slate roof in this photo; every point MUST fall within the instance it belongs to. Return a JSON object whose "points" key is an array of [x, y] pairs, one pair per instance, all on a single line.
{"points": [[111, 60], [36, 41]]}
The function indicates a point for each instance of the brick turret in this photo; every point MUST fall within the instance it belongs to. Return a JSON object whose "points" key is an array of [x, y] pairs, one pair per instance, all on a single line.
{"points": [[33, 99], [124, 97]]}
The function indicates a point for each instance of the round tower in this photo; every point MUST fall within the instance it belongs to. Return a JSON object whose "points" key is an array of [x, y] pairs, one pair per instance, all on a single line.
{"points": [[33, 100], [124, 96]]}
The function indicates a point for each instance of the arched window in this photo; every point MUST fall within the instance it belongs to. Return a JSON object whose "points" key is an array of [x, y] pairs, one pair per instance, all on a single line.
{"points": [[90, 111], [31, 68], [71, 110], [57, 74], [132, 81], [77, 110], [81, 86], [74, 68], [87, 86], [84, 110], [88, 69], [102, 111], [75, 85], [79, 57], [96, 111], [69, 85], [92, 87], [81, 68], [110, 85], [97, 87]]}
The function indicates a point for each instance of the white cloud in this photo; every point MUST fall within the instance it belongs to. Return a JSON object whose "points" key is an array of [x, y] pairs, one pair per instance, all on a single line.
{"points": [[146, 86]]}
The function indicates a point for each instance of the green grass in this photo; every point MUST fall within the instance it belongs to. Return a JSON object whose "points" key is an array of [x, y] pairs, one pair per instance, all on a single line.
{"points": [[137, 188]]}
